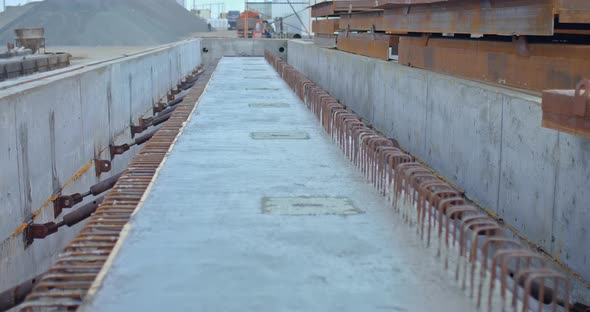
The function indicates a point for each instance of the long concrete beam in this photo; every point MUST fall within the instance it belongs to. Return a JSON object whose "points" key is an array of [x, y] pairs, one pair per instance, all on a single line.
{"points": [[53, 124]]}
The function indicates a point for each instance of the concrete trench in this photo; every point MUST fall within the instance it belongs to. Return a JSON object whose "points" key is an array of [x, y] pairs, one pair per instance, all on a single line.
{"points": [[486, 140]]}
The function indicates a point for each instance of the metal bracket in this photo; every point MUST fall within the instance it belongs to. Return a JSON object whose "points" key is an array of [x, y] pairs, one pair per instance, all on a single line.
{"points": [[63, 202], [39, 231], [118, 149], [142, 124], [102, 166], [158, 107], [582, 98], [136, 129]]}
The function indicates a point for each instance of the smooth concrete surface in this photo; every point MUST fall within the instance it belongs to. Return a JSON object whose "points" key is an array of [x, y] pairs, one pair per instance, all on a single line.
{"points": [[237, 224], [51, 125], [216, 48], [487, 140]]}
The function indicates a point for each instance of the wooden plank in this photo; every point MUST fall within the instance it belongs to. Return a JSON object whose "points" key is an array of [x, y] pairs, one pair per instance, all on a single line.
{"points": [[498, 17], [371, 45], [545, 66], [325, 26]]}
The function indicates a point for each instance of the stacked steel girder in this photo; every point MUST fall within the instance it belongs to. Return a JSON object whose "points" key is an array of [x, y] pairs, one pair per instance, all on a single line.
{"points": [[534, 45]]}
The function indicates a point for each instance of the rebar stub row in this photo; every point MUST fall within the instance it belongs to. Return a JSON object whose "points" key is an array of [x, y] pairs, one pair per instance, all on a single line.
{"points": [[458, 231]]}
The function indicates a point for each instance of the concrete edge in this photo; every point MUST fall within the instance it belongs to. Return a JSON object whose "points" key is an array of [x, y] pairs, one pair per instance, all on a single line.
{"points": [[98, 282], [42, 79]]}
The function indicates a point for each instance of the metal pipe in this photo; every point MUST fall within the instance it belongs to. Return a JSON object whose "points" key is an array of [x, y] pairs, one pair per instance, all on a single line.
{"points": [[16, 295], [81, 213], [163, 117], [144, 138], [105, 185]]}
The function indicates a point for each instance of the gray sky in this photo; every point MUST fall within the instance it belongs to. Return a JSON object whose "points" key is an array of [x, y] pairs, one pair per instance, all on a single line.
{"points": [[229, 4]]}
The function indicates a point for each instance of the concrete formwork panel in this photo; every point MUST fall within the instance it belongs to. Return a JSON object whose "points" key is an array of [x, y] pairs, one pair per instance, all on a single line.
{"points": [[120, 104], [463, 137], [529, 163], [94, 99], [487, 140], [9, 188], [571, 216]]}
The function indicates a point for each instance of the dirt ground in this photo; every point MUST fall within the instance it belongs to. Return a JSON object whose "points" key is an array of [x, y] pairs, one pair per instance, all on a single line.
{"points": [[83, 55], [217, 34]]}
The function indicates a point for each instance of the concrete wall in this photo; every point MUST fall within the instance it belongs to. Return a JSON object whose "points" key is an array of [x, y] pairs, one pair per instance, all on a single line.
{"points": [[50, 128], [485, 139], [212, 48]]}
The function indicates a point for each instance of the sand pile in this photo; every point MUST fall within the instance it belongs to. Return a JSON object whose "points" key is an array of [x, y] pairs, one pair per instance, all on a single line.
{"points": [[105, 22]]}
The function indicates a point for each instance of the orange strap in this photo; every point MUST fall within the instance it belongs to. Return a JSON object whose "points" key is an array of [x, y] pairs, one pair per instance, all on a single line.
{"points": [[53, 197]]}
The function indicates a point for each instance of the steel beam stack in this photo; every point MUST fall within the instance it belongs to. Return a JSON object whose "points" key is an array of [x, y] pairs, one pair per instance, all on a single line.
{"points": [[534, 45]]}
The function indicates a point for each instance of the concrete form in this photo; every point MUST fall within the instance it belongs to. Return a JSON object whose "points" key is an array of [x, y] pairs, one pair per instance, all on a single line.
{"points": [[485, 139], [266, 223], [51, 128]]}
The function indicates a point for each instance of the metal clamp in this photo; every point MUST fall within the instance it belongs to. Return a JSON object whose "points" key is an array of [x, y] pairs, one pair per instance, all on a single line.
{"points": [[40, 231], [102, 166], [118, 149], [63, 202]]}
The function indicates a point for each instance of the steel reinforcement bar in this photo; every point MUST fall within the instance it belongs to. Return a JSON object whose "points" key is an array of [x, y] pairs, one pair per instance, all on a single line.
{"points": [[493, 269], [67, 282]]}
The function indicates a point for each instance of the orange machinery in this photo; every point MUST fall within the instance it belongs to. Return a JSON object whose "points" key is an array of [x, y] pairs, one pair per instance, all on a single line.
{"points": [[251, 20]]}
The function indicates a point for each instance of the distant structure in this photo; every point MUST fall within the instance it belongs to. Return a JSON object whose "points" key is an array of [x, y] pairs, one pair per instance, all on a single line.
{"points": [[181, 3], [291, 18]]}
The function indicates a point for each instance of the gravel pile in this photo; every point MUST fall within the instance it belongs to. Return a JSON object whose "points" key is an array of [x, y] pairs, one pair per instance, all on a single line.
{"points": [[105, 22]]}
